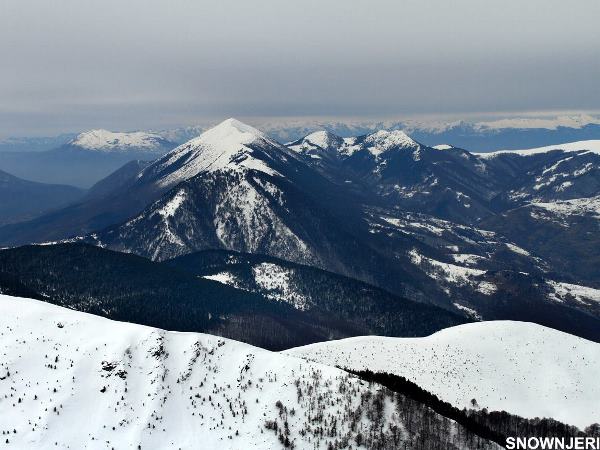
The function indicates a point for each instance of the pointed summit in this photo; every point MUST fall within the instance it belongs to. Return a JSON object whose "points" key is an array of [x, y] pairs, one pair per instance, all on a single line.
{"points": [[230, 145], [230, 132]]}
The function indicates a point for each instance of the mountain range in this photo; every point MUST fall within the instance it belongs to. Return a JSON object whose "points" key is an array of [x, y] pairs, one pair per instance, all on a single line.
{"points": [[403, 295], [433, 225], [485, 135]]}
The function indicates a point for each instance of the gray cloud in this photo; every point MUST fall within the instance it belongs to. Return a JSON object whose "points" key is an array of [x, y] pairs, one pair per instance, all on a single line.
{"points": [[74, 64]]}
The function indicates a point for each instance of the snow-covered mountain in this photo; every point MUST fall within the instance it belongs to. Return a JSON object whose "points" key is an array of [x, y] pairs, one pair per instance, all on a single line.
{"points": [[231, 145], [483, 135], [487, 135], [450, 182], [110, 141], [86, 158], [403, 173], [73, 380], [236, 189], [375, 143], [519, 367]]}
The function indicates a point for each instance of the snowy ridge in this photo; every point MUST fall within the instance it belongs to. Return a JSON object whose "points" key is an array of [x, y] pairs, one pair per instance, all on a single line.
{"points": [[591, 145], [383, 140], [379, 142], [225, 146], [375, 143], [73, 380], [574, 207], [519, 367], [581, 294], [104, 140]]}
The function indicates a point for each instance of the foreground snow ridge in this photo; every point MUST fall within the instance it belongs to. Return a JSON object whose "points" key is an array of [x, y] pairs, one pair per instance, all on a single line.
{"points": [[73, 380], [519, 367]]}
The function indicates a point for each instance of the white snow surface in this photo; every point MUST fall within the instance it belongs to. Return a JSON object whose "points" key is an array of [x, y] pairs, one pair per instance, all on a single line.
{"points": [[275, 280], [590, 145], [574, 207], [519, 367], [225, 146], [171, 207], [582, 294], [74, 380], [104, 140], [223, 278], [515, 248]]}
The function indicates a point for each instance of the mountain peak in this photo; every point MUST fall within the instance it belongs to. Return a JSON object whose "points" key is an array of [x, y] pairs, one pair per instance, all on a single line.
{"points": [[314, 143], [384, 140], [229, 145], [231, 134], [105, 140], [231, 131], [323, 139]]}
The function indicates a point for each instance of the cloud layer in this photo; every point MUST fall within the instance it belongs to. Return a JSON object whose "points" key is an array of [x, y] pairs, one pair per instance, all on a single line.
{"points": [[74, 64]]}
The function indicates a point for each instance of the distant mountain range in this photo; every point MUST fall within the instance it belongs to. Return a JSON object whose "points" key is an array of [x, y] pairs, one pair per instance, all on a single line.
{"points": [[433, 225], [503, 133]]}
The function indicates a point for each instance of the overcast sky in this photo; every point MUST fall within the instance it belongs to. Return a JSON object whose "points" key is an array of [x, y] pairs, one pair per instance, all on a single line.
{"points": [[68, 65]]}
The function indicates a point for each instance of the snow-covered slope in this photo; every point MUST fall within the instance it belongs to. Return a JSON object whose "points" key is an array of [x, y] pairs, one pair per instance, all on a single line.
{"points": [[316, 142], [231, 145], [591, 145], [73, 380], [574, 207], [236, 190], [519, 367], [109, 141]]}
